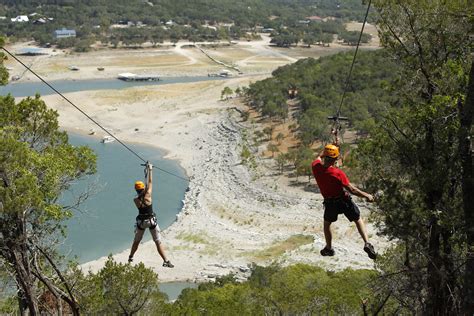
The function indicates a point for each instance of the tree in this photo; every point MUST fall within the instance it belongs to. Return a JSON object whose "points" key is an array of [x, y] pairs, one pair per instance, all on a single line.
{"points": [[304, 157], [272, 148], [279, 138], [156, 36], [66, 42], [321, 83], [82, 46], [284, 40], [466, 113], [281, 160], [294, 290], [259, 135], [313, 126], [3, 71], [245, 154], [305, 290], [269, 132], [238, 91], [309, 40], [414, 158], [120, 289], [326, 39], [352, 37], [36, 164], [226, 92]]}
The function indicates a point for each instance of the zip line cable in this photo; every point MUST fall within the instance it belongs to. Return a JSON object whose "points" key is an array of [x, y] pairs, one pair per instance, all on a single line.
{"points": [[348, 79], [89, 117]]}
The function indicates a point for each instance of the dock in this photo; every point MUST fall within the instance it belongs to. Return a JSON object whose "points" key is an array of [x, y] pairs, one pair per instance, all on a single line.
{"points": [[134, 77], [223, 73]]}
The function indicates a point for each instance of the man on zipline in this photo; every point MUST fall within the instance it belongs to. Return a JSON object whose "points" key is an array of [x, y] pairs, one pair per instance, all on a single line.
{"points": [[332, 181], [146, 218]]}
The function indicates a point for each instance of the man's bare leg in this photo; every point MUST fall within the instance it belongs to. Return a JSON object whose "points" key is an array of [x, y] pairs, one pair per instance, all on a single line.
{"points": [[328, 234], [368, 248], [362, 230]]}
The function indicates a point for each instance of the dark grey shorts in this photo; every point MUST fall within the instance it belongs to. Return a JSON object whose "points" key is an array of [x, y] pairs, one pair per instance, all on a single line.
{"points": [[334, 207]]}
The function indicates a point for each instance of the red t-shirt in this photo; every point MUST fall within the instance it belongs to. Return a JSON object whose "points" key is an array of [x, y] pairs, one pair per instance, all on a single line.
{"points": [[331, 181]]}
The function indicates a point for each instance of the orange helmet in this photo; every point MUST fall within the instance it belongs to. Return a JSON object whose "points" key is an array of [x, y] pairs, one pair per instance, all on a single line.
{"points": [[331, 151], [139, 185]]}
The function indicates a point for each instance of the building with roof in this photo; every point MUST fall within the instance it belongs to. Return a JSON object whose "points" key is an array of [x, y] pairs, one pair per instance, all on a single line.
{"points": [[64, 33], [40, 21], [31, 51], [20, 18]]}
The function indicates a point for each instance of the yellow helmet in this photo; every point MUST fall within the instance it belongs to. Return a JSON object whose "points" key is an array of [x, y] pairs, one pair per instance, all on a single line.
{"points": [[331, 151], [139, 185]]}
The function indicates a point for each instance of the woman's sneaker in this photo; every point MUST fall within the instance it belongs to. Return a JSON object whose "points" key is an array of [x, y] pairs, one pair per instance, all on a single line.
{"points": [[370, 250], [168, 264], [327, 252]]}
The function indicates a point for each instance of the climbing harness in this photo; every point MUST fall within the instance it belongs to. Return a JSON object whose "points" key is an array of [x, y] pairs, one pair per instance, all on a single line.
{"points": [[144, 223]]}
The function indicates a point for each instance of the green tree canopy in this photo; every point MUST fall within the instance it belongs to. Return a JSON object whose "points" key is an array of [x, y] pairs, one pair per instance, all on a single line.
{"points": [[320, 84], [413, 157], [120, 289], [295, 290], [36, 164]]}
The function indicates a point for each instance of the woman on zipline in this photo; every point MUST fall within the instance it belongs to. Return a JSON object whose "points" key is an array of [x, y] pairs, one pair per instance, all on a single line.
{"points": [[146, 218]]}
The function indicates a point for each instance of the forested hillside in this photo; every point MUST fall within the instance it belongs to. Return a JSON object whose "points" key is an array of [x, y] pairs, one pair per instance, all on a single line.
{"points": [[137, 21], [245, 12], [320, 85]]}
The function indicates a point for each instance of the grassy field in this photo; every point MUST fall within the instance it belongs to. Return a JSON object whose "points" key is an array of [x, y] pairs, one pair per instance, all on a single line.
{"points": [[281, 247]]}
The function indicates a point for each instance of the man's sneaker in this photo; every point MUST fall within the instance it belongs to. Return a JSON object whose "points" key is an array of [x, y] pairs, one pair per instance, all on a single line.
{"points": [[327, 252], [130, 259], [168, 264], [370, 250]]}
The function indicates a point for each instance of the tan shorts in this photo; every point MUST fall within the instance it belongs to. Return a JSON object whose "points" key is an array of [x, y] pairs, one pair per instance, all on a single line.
{"points": [[151, 223]]}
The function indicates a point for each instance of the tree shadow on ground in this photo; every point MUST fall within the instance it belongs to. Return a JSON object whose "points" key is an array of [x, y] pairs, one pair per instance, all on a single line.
{"points": [[305, 185]]}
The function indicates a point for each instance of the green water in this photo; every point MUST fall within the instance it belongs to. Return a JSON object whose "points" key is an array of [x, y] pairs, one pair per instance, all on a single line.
{"points": [[105, 222]]}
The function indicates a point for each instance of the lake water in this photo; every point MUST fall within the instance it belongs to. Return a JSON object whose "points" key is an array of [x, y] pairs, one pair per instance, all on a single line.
{"points": [[105, 222], [23, 89], [173, 289]]}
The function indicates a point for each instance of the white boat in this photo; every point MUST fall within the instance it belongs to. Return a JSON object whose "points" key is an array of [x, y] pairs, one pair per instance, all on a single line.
{"points": [[107, 139]]}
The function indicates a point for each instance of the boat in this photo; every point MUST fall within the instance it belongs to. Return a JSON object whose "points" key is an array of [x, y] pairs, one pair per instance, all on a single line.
{"points": [[134, 77], [73, 68], [107, 139], [100, 68]]}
